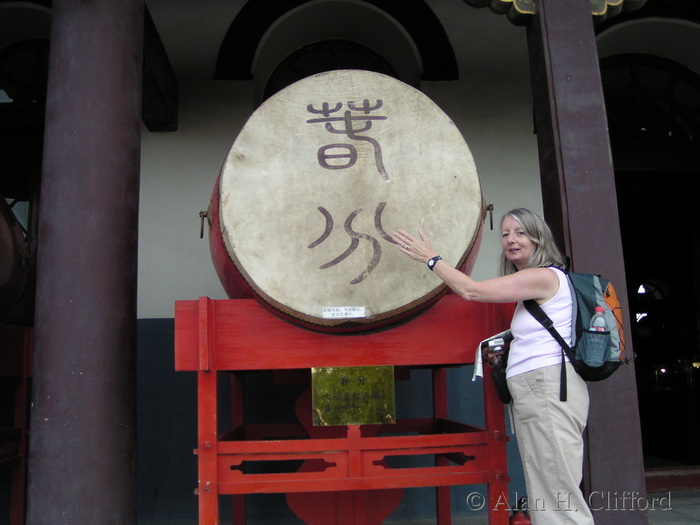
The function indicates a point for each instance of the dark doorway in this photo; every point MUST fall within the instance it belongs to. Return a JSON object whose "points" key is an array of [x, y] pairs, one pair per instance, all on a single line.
{"points": [[652, 106], [660, 224]]}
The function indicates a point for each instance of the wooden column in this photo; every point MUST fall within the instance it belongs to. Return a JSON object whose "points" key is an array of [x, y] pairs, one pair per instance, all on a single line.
{"points": [[82, 432], [578, 188]]}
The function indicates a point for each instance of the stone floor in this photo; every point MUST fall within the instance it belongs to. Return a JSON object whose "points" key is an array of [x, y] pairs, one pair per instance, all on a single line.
{"points": [[677, 507]]}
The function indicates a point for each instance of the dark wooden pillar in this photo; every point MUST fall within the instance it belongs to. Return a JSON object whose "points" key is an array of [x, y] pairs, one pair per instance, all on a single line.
{"points": [[578, 189], [82, 433]]}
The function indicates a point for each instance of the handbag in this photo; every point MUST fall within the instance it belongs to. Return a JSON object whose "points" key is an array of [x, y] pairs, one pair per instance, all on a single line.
{"points": [[499, 379]]}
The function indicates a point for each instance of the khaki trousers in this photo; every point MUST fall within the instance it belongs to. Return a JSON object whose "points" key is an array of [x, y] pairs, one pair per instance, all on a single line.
{"points": [[550, 439]]}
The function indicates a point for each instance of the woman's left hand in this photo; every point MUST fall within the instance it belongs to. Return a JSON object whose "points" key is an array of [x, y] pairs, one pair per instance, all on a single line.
{"points": [[417, 249]]}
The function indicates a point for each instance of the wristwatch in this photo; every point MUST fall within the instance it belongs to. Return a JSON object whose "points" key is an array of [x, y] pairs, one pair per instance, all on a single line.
{"points": [[433, 261]]}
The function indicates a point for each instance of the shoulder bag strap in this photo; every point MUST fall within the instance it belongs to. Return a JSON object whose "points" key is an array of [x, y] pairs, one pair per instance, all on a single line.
{"points": [[537, 312]]}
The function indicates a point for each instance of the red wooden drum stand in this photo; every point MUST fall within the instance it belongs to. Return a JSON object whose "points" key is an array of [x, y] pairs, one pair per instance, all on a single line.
{"points": [[344, 465]]}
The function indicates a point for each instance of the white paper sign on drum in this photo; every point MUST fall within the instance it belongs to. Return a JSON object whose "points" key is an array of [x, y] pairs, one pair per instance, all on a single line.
{"points": [[316, 181]]}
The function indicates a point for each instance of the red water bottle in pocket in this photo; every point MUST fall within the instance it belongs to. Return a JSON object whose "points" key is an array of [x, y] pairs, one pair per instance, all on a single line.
{"points": [[598, 320]]}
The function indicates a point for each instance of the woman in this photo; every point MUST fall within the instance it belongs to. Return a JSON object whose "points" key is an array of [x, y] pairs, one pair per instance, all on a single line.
{"points": [[549, 431]]}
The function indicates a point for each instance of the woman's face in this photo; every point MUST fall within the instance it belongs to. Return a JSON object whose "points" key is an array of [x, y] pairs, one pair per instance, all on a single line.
{"points": [[517, 247]]}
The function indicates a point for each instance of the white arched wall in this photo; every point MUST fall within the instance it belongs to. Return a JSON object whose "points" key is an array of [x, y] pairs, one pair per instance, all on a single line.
{"points": [[677, 40], [321, 20]]}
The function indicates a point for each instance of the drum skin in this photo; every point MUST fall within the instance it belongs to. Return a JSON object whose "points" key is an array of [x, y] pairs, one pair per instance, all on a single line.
{"points": [[12, 261], [320, 175]]}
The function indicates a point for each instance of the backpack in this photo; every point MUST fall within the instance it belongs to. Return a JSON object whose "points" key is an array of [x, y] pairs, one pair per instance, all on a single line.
{"points": [[595, 355]]}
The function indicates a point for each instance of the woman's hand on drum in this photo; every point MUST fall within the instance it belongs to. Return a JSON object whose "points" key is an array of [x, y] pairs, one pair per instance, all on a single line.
{"points": [[417, 249]]}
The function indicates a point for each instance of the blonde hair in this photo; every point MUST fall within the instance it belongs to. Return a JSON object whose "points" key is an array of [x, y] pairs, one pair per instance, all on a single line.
{"points": [[536, 229]]}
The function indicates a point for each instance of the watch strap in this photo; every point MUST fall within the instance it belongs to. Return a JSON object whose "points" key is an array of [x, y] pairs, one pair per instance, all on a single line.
{"points": [[433, 261]]}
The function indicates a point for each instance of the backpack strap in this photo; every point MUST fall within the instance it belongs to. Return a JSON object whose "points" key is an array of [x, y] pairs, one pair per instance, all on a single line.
{"points": [[537, 312]]}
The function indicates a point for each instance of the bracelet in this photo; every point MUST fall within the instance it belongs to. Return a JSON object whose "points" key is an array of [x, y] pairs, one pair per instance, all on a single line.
{"points": [[432, 262]]}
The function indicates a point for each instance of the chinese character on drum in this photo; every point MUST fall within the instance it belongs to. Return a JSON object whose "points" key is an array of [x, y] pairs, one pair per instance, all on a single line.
{"points": [[347, 127]]}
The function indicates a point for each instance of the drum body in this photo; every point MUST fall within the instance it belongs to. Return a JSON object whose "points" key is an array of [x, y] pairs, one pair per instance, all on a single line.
{"points": [[303, 209]]}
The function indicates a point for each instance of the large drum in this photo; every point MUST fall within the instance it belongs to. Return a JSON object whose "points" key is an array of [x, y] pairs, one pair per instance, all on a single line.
{"points": [[315, 183]]}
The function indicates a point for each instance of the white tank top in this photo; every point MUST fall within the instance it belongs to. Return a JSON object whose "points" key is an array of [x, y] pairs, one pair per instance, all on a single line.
{"points": [[533, 346]]}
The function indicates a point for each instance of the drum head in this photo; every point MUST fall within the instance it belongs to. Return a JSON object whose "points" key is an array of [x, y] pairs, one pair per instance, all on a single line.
{"points": [[315, 183]]}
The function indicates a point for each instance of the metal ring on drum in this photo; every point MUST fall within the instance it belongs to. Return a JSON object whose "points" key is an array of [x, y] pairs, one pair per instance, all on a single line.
{"points": [[315, 182]]}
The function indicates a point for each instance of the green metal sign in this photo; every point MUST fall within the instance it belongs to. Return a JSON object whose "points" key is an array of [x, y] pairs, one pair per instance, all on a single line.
{"points": [[353, 395]]}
